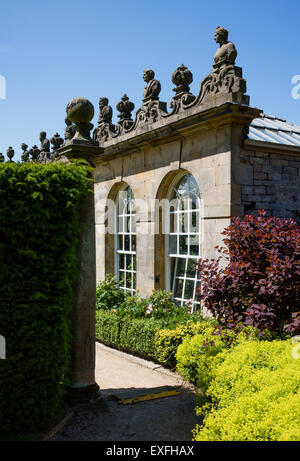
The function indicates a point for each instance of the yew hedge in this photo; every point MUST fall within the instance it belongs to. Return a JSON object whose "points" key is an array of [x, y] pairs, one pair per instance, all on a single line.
{"points": [[39, 222]]}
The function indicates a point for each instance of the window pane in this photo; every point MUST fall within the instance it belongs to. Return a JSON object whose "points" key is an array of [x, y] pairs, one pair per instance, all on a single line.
{"points": [[183, 223], [189, 289], [128, 262], [122, 261], [127, 243], [183, 247], [178, 288], [133, 243], [194, 222], [128, 279], [191, 268], [194, 245]]}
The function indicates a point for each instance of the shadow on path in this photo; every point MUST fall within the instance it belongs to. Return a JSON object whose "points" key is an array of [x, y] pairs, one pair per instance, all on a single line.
{"points": [[166, 419]]}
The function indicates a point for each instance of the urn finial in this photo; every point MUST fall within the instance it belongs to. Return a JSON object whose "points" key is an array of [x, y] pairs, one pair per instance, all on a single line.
{"points": [[125, 107]]}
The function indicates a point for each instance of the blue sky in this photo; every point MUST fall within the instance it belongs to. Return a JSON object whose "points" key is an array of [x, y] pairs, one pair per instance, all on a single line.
{"points": [[53, 51]]}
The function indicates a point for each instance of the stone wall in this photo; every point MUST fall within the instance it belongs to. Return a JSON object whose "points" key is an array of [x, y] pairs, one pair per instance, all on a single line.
{"points": [[149, 172], [273, 182]]}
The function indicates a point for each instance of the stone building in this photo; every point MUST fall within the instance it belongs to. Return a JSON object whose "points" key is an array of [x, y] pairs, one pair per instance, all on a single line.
{"points": [[177, 176]]}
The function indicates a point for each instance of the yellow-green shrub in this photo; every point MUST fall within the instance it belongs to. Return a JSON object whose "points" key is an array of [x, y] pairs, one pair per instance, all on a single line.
{"points": [[255, 394], [167, 341], [195, 357]]}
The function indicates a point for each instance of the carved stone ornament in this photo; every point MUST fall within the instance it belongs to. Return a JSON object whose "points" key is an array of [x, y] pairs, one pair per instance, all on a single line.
{"points": [[25, 153], [105, 111], [10, 153], [35, 152], [225, 76], [45, 143], [182, 77], [56, 142], [223, 84], [125, 107], [70, 129], [153, 87], [80, 111], [101, 132]]}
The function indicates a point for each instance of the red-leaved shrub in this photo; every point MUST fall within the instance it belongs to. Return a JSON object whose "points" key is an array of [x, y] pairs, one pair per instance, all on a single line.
{"points": [[260, 284]]}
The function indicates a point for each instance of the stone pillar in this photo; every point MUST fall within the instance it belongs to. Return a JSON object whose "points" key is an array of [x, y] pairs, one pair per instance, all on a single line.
{"points": [[83, 386]]}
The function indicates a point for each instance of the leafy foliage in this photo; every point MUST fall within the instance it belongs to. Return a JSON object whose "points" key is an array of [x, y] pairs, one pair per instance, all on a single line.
{"points": [[260, 285], [108, 294], [198, 355], [159, 306], [133, 335], [39, 221], [167, 341], [254, 395]]}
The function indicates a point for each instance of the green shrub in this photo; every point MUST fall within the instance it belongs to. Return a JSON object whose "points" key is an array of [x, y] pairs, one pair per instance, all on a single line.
{"points": [[134, 307], [168, 340], [198, 355], [159, 306], [108, 294], [136, 336], [255, 395], [39, 220]]}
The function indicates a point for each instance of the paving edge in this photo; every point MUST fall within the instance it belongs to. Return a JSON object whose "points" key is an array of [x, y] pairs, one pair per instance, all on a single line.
{"points": [[58, 426], [144, 363]]}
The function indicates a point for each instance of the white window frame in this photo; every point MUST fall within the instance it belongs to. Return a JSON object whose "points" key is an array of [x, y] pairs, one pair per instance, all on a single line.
{"points": [[170, 285], [128, 229]]}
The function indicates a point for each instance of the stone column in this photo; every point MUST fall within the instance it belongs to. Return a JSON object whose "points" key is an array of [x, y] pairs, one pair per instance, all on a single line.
{"points": [[83, 386]]}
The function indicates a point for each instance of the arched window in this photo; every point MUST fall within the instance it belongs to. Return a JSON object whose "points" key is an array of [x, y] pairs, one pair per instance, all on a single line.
{"points": [[183, 240], [125, 241]]}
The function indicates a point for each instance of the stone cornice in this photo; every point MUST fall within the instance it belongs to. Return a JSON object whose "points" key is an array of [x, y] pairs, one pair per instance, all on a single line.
{"points": [[228, 113]]}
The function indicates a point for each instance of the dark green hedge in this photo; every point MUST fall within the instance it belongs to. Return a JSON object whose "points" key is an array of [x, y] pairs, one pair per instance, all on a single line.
{"points": [[136, 336], [39, 219]]}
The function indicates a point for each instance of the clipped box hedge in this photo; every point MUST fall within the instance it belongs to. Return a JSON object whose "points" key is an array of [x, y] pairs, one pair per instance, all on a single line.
{"points": [[39, 218], [135, 336]]}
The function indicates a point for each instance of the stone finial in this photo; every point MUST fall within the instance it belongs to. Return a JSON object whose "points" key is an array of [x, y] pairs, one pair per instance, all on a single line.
{"points": [[125, 107], [56, 141], [10, 153], [35, 152], [45, 143], [182, 77], [25, 153], [2, 158], [80, 111], [226, 54], [153, 87], [105, 111]]}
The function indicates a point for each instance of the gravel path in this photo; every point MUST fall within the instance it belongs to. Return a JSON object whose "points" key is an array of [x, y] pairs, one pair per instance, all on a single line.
{"points": [[124, 376]]}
